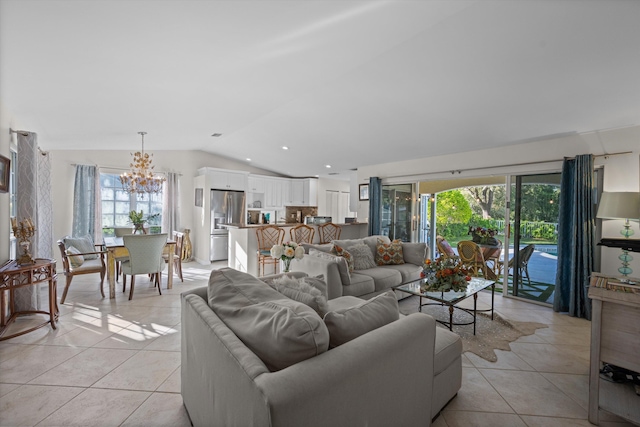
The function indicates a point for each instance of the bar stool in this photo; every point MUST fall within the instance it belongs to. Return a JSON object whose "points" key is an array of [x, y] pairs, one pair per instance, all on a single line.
{"points": [[268, 236]]}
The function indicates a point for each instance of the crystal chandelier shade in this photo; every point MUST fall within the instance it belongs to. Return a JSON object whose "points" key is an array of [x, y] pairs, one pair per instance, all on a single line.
{"points": [[141, 179]]}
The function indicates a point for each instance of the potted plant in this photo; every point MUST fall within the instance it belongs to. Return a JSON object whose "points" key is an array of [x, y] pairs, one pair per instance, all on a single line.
{"points": [[138, 219]]}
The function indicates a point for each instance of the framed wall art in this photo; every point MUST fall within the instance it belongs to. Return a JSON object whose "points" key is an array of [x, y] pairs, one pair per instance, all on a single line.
{"points": [[5, 164], [364, 192]]}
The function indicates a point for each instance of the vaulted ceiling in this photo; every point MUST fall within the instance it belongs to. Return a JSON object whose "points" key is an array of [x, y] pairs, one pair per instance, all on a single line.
{"points": [[340, 83]]}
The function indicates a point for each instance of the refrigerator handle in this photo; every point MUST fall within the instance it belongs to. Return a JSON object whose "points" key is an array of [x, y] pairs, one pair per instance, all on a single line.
{"points": [[229, 209]]}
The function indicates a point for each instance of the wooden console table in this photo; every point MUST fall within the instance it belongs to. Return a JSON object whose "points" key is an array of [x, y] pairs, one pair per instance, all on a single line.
{"points": [[14, 276], [615, 339]]}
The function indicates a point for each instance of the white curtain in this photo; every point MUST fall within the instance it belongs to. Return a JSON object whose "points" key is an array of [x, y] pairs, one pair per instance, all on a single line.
{"points": [[171, 204], [33, 200]]}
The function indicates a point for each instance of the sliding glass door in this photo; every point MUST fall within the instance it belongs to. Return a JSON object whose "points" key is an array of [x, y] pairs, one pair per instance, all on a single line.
{"points": [[397, 211]]}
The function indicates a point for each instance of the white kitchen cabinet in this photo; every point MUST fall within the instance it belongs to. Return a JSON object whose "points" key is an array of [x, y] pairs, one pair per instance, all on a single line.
{"points": [[256, 184], [223, 179], [304, 192]]}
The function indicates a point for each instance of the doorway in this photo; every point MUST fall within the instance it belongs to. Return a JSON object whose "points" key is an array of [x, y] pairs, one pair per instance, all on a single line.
{"points": [[397, 208]]}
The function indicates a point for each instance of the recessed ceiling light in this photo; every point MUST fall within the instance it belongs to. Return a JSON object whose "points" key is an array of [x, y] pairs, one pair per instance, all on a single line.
{"points": [[327, 166], [284, 147], [248, 159], [216, 135]]}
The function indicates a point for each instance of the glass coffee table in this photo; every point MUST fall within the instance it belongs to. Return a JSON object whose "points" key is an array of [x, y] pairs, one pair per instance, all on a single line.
{"points": [[451, 298]]}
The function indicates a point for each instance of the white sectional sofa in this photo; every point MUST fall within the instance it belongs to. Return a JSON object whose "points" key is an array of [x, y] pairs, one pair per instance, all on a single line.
{"points": [[399, 373]]}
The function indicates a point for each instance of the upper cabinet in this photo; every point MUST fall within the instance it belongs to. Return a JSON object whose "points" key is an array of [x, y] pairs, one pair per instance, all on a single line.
{"points": [[304, 192], [223, 179], [256, 184]]}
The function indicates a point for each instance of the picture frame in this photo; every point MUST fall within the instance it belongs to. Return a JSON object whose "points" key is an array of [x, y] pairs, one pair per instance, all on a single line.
{"points": [[5, 168], [363, 191]]}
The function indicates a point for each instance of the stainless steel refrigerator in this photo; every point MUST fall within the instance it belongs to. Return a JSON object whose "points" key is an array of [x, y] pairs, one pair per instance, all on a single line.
{"points": [[227, 207]]}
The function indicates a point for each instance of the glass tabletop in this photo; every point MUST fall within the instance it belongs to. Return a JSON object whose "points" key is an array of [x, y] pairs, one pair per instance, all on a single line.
{"points": [[474, 286]]}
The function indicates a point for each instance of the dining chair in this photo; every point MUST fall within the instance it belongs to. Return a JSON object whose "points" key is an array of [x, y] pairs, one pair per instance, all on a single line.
{"points": [[524, 255], [329, 232], [445, 249], [268, 236], [492, 257], [302, 234], [178, 237], [471, 257], [74, 264], [145, 257], [119, 232]]}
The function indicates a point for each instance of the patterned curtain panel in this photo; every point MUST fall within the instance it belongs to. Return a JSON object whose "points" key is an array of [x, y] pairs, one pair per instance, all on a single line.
{"points": [[45, 207], [84, 201], [28, 297], [576, 237], [375, 205], [171, 204]]}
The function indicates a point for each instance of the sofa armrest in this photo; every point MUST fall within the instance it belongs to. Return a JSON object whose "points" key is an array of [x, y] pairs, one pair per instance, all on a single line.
{"points": [[382, 378], [315, 266]]}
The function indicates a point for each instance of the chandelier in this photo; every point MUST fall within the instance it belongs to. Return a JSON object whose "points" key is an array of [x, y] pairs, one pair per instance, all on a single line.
{"points": [[140, 179]]}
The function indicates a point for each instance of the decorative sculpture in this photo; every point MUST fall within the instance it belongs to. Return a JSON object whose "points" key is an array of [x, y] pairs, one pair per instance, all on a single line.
{"points": [[23, 231]]}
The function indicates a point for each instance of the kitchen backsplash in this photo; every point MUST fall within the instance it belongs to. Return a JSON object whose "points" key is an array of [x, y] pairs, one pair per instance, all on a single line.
{"points": [[293, 217]]}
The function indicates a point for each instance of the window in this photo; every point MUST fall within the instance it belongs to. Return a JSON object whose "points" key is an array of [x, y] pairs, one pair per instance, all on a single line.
{"points": [[117, 203]]}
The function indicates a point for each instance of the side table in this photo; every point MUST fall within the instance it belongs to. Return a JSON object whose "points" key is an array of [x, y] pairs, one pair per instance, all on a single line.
{"points": [[14, 276]]}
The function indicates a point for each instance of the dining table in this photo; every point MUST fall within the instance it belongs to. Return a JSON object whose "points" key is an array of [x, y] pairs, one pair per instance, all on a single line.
{"points": [[115, 249]]}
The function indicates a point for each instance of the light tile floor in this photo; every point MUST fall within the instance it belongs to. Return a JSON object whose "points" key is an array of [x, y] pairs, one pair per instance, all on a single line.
{"points": [[117, 363]]}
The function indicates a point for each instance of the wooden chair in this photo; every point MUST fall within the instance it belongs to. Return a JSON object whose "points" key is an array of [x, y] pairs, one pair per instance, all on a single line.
{"points": [[178, 237], [302, 234], [329, 232], [524, 255], [492, 257], [471, 257], [145, 257], [445, 249], [81, 266], [268, 236]]}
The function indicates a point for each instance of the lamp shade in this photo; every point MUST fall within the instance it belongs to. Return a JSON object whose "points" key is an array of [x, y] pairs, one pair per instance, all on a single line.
{"points": [[619, 205]]}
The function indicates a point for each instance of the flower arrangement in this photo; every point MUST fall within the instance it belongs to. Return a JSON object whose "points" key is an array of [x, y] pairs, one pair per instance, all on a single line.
{"points": [[286, 252], [443, 275], [138, 219], [483, 235]]}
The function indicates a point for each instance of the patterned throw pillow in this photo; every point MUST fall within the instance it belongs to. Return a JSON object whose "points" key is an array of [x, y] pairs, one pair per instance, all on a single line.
{"points": [[362, 257], [389, 253], [345, 254], [75, 259]]}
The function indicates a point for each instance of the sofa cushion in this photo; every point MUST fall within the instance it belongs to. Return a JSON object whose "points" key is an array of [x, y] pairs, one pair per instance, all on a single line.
{"points": [[362, 257], [360, 285], [75, 259], [383, 277], [349, 323], [322, 248], [280, 331], [340, 251], [302, 291], [447, 349], [343, 268], [414, 253], [408, 272], [84, 244], [389, 253]]}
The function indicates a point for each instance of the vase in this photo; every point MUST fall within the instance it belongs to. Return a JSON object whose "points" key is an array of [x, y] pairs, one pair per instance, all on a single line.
{"points": [[287, 264]]}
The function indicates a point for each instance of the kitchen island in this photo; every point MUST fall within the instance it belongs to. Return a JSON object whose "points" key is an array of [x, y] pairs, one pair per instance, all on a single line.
{"points": [[243, 243]]}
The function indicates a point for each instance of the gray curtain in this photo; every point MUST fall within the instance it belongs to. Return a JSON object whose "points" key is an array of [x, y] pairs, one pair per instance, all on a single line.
{"points": [[85, 198], [171, 204], [375, 206], [576, 237], [45, 207]]}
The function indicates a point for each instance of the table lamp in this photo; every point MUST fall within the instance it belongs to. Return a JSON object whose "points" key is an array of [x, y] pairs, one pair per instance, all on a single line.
{"points": [[621, 205]]}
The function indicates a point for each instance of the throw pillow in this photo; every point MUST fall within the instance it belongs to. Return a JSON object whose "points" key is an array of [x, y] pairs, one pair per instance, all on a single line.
{"points": [[323, 248], [347, 324], [389, 253], [75, 259], [415, 253], [343, 268], [84, 244], [362, 257], [280, 331], [340, 251], [301, 291]]}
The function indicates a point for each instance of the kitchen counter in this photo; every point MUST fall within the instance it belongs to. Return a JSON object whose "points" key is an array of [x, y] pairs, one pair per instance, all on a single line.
{"points": [[243, 242]]}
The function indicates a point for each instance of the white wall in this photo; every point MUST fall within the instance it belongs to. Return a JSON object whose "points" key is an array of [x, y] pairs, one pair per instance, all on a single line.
{"points": [[621, 172]]}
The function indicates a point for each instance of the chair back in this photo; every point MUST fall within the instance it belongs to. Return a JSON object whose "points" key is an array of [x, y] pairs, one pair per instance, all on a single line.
{"points": [[329, 232], [145, 252], [524, 255], [470, 253], [66, 265], [121, 231], [178, 237], [445, 248], [268, 236], [302, 234]]}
